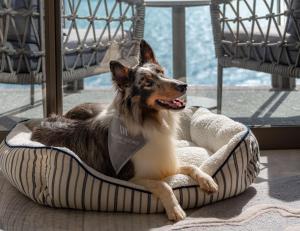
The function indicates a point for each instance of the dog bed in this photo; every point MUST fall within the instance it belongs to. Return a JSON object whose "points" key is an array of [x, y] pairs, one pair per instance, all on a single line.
{"points": [[56, 177]]}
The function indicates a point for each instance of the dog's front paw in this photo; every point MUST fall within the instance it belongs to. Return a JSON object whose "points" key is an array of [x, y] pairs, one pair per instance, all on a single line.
{"points": [[207, 183], [175, 213]]}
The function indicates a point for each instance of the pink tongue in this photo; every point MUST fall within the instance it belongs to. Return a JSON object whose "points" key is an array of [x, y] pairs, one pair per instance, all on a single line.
{"points": [[176, 103]]}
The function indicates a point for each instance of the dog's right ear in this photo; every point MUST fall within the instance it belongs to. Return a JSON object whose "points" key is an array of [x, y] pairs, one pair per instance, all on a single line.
{"points": [[146, 53], [120, 74]]}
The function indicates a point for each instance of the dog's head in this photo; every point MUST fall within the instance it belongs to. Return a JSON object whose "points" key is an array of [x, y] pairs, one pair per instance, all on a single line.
{"points": [[146, 85]]}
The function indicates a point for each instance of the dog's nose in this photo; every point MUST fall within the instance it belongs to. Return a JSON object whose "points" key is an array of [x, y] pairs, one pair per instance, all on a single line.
{"points": [[181, 87]]}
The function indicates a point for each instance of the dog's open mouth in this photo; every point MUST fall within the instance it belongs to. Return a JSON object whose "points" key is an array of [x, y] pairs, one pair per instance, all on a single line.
{"points": [[174, 104]]}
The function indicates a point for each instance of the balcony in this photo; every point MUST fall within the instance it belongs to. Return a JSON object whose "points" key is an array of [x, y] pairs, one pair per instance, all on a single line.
{"points": [[184, 41]]}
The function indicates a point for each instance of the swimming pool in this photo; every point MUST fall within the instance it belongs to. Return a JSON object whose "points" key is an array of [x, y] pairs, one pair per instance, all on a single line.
{"points": [[201, 62]]}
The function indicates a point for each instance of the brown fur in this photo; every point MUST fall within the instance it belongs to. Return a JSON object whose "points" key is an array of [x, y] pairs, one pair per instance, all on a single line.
{"points": [[139, 92], [87, 140], [85, 111]]}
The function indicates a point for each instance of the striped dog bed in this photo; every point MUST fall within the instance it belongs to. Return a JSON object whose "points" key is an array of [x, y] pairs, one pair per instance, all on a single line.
{"points": [[56, 177]]}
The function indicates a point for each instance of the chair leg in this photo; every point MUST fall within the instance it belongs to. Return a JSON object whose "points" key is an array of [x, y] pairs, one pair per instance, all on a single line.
{"points": [[219, 89], [283, 83], [74, 86], [32, 94]]}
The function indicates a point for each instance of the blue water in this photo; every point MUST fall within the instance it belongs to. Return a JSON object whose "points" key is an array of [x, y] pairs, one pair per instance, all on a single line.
{"points": [[201, 62]]}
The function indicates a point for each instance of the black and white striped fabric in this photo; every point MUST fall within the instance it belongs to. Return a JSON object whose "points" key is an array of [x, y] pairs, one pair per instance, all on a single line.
{"points": [[56, 177]]}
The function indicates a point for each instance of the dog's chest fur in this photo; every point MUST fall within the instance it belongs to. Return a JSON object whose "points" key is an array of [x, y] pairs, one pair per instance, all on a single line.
{"points": [[157, 159]]}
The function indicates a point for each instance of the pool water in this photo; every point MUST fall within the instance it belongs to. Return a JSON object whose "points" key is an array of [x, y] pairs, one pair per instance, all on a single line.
{"points": [[201, 61]]}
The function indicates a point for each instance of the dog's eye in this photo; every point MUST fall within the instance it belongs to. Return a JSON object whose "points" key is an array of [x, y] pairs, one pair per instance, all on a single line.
{"points": [[159, 71], [149, 83]]}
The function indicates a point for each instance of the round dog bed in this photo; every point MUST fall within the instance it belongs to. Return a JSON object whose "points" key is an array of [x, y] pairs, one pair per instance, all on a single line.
{"points": [[55, 176]]}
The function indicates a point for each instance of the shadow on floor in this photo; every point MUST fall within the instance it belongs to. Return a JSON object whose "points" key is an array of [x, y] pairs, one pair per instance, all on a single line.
{"points": [[227, 209], [283, 174], [275, 100], [20, 213], [7, 123], [263, 114]]}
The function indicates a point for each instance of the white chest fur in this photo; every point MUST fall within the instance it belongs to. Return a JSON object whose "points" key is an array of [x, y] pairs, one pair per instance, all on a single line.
{"points": [[157, 159]]}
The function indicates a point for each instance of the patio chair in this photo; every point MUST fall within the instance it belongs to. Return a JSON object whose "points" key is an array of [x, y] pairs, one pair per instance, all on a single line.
{"points": [[259, 35], [94, 32]]}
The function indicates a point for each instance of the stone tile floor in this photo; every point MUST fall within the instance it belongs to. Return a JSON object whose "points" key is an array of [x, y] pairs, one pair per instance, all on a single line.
{"points": [[250, 105]]}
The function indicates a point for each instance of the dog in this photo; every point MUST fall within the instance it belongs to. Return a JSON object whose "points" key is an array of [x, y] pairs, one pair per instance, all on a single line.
{"points": [[147, 103]]}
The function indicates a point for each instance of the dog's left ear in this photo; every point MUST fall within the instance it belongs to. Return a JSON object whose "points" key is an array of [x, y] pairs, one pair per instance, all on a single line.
{"points": [[146, 53], [120, 74]]}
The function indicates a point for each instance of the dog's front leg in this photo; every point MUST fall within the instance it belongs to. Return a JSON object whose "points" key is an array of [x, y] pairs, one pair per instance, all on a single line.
{"points": [[164, 192], [205, 181]]}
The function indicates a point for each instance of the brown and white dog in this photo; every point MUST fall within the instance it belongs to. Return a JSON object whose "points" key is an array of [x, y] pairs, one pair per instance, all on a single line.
{"points": [[146, 101]]}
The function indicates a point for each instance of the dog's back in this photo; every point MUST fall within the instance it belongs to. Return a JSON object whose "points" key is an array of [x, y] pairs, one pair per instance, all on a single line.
{"points": [[84, 137], [85, 111]]}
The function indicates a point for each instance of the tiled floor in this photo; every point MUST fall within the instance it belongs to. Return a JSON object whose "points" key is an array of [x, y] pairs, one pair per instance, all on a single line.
{"points": [[251, 105]]}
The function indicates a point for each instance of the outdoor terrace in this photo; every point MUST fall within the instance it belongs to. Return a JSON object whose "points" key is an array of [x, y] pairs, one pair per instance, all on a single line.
{"points": [[271, 203], [252, 105]]}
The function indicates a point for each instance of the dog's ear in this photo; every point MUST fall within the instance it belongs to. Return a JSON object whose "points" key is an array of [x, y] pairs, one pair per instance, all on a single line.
{"points": [[120, 74], [146, 53]]}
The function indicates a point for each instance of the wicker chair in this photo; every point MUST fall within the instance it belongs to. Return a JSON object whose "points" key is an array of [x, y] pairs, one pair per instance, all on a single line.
{"points": [[246, 36], [112, 30]]}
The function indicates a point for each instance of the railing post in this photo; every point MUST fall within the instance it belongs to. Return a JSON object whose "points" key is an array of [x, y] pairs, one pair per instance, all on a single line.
{"points": [[53, 59], [179, 52]]}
